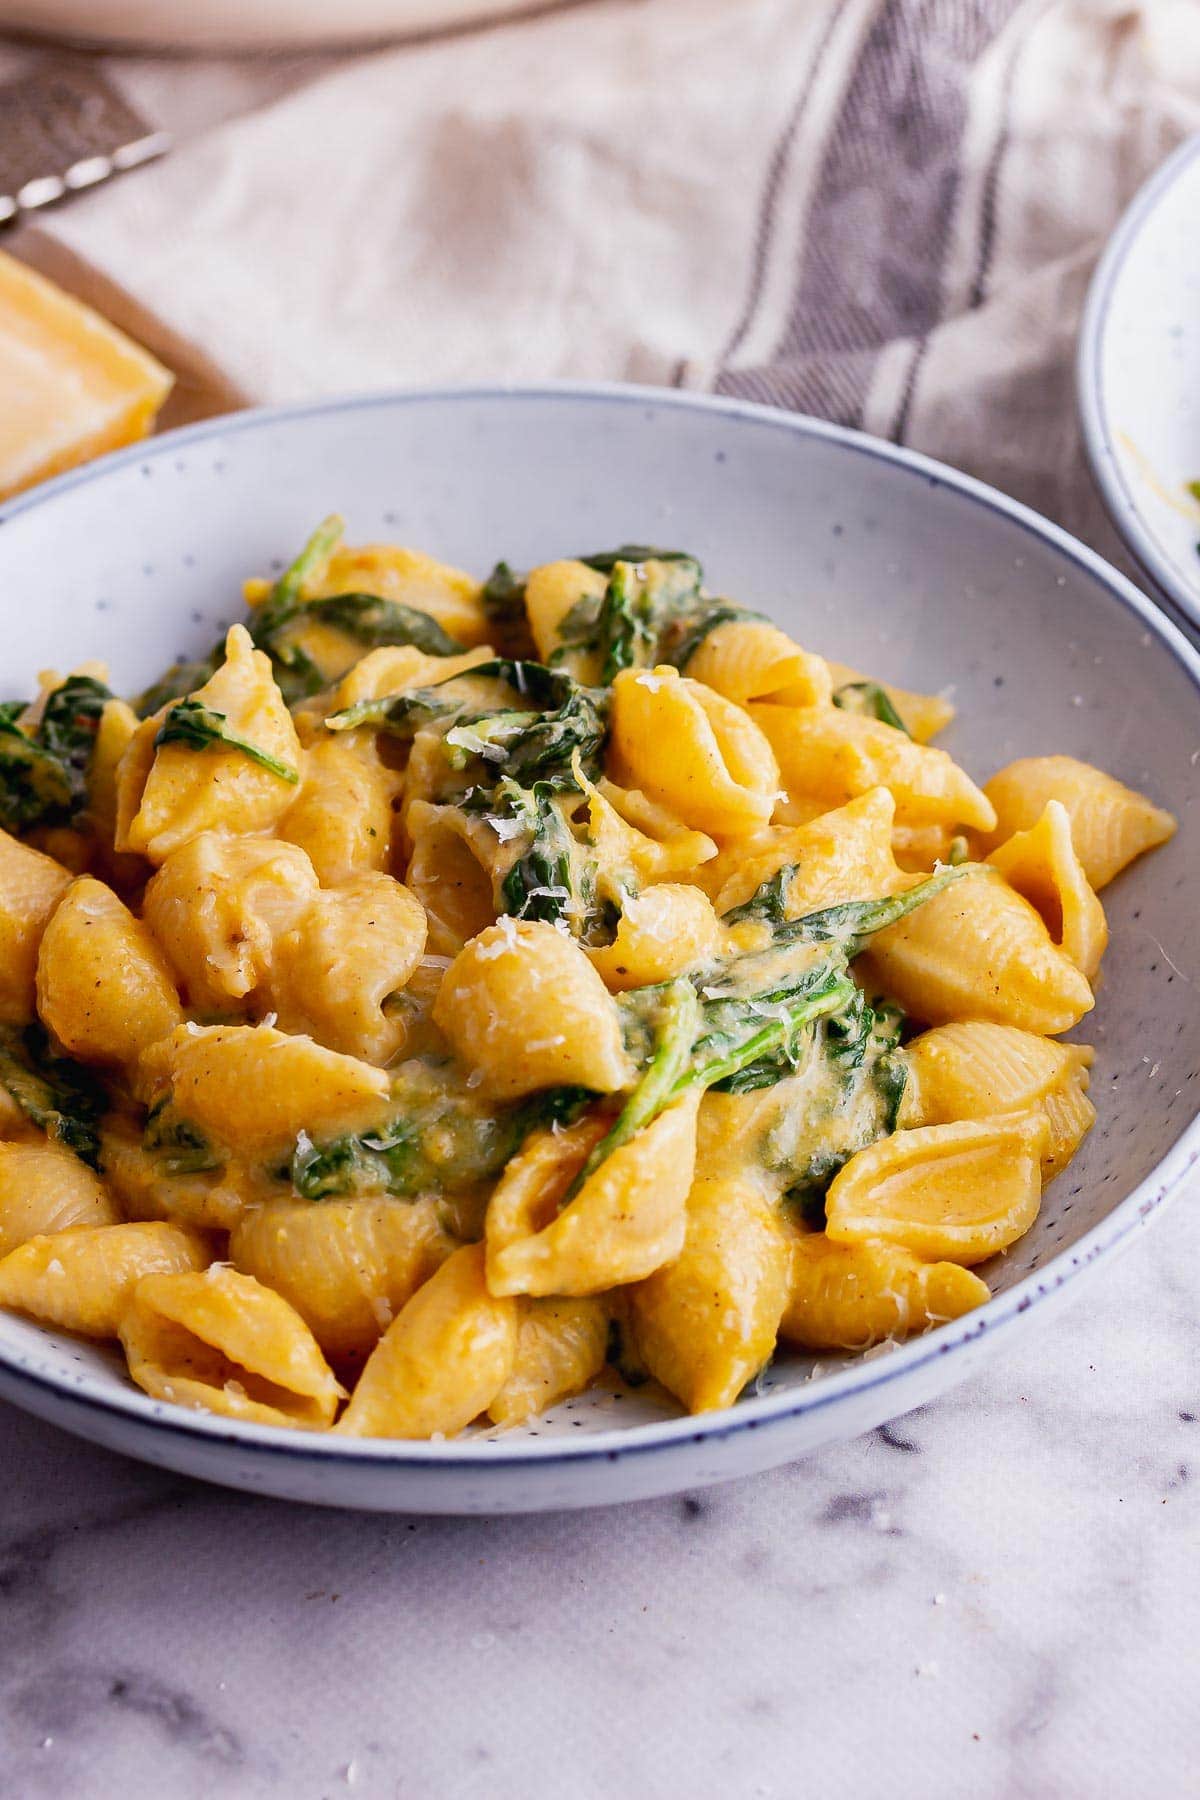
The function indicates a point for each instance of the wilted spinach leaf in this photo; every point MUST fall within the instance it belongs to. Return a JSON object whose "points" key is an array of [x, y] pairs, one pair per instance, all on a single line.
{"points": [[62, 1098]]}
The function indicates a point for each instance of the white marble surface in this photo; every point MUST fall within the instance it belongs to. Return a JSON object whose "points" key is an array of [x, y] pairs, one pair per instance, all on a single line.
{"points": [[997, 1597]]}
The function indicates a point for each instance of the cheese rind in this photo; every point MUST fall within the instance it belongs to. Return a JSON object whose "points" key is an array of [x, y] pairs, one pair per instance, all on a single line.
{"points": [[73, 386]]}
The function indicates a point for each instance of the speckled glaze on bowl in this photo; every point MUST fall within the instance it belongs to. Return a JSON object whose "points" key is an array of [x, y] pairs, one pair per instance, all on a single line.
{"points": [[881, 557], [1138, 378]]}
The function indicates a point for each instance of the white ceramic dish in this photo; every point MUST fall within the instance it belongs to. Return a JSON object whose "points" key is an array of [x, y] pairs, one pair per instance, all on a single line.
{"points": [[894, 563], [212, 25], [1138, 378]]}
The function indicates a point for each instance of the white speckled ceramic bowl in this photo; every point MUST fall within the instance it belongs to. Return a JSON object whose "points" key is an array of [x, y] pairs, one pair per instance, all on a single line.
{"points": [[227, 26], [1138, 378], [893, 563]]}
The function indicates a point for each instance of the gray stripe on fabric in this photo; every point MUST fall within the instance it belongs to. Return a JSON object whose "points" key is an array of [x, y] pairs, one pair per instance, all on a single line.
{"points": [[828, 386], [899, 430], [769, 203], [879, 225]]}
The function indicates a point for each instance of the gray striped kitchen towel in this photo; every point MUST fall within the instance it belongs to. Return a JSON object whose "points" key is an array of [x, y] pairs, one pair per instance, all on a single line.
{"points": [[881, 211]]}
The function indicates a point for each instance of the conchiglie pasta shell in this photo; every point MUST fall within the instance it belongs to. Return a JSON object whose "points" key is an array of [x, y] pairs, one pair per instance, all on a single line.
{"points": [[115, 732], [919, 848], [636, 841], [253, 1088], [626, 1222], [551, 592], [522, 1005], [561, 1347], [354, 948], [977, 950], [958, 1193], [1110, 823], [31, 886], [104, 987], [1070, 1115], [750, 659], [1042, 864], [973, 1069], [850, 1296], [186, 791], [448, 876], [442, 1362], [841, 855], [342, 816], [218, 907], [82, 1280], [828, 754], [45, 1188], [347, 1266], [223, 1343], [660, 932], [707, 1323], [720, 776], [395, 668]]}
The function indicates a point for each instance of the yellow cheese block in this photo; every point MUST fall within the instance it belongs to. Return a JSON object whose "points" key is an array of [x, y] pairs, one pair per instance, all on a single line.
{"points": [[73, 386]]}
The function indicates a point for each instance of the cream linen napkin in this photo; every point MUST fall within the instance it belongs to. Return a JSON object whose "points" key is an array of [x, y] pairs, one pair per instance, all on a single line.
{"points": [[883, 211]]}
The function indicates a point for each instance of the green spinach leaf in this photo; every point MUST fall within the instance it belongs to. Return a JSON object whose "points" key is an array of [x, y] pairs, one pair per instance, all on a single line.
{"points": [[689, 629], [307, 566], [436, 1142], [198, 727], [605, 561], [550, 879], [503, 598], [736, 1041], [180, 1146], [44, 770], [628, 625], [753, 1023], [368, 620], [855, 922], [533, 747], [871, 701], [852, 923], [35, 788], [61, 1097], [397, 715]]}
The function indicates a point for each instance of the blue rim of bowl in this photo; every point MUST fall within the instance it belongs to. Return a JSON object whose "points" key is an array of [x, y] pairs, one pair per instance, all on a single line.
{"points": [[488, 1455], [1103, 459]]}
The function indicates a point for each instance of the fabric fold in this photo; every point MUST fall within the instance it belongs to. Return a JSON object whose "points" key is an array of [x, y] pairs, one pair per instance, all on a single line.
{"points": [[882, 211]]}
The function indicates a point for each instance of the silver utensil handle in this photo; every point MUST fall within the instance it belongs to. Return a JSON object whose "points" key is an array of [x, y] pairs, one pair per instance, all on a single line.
{"points": [[64, 127]]}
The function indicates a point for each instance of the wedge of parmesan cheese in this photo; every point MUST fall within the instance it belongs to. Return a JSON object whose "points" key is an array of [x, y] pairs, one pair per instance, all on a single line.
{"points": [[73, 386]]}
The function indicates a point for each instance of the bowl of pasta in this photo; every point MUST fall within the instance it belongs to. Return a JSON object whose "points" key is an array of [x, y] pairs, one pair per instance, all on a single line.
{"points": [[505, 1004]]}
